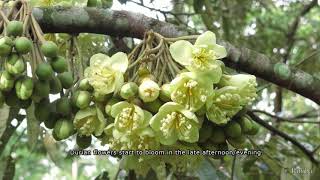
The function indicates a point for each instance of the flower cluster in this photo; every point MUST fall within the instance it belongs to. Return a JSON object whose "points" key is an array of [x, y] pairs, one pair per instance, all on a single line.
{"points": [[192, 110]]}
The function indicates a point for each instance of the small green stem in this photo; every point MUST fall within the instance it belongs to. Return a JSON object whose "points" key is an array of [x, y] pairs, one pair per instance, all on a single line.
{"points": [[140, 58], [80, 62]]}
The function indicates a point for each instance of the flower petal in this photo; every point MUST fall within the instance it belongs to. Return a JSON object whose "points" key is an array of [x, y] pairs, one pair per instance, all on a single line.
{"points": [[168, 140], [190, 115], [219, 51], [118, 82], [118, 107], [102, 123], [191, 136], [119, 62], [89, 111], [207, 38], [181, 51], [147, 117], [98, 59], [210, 76]]}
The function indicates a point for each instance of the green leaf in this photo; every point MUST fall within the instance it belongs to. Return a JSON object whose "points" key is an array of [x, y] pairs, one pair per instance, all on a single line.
{"points": [[33, 127], [207, 172], [316, 174]]}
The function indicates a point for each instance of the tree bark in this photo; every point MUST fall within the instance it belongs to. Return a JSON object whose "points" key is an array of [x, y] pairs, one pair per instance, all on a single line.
{"points": [[76, 20]]}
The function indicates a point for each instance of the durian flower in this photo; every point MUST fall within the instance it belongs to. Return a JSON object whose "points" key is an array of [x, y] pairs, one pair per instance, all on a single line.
{"points": [[129, 118], [246, 84], [223, 105], [105, 74], [143, 140], [173, 122], [201, 56], [89, 121], [189, 90]]}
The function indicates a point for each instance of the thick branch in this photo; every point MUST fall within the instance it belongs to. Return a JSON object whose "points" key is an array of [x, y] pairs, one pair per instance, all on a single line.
{"points": [[274, 130], [124, 23]]}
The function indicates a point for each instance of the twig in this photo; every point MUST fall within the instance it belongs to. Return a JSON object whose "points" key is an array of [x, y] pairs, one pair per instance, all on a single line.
{"points": [[233, 167], [4, 17], [290, 119], [117, 174], [294, 27], [164, 12], [308, 153]]}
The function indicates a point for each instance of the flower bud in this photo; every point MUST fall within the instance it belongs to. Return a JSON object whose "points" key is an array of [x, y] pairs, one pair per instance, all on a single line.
{"points": [[24, 88], [41, 89], [15, 65], [165, 93], [55, 85], [218, 136], [237, 142], [14, 28], [42, 110], [233, 129], [5, 46], [63, 106], [81, 99], [84, 85], [148, 90], [11, 99], [23, 45], [6, 81], [254, 129], [63, 128], [83, 141], [51, 120], [98, 97], [245, 124], [129, 90]]}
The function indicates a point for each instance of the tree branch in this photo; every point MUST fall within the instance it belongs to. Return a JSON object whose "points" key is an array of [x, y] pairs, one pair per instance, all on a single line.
{"points": [[291, 119], [124, 23], [10, 129], [294, 27], [274, 130]]}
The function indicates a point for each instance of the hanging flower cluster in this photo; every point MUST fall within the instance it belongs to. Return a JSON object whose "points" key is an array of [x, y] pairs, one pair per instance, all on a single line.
{"points": [[167, 94], [163, 97]]}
